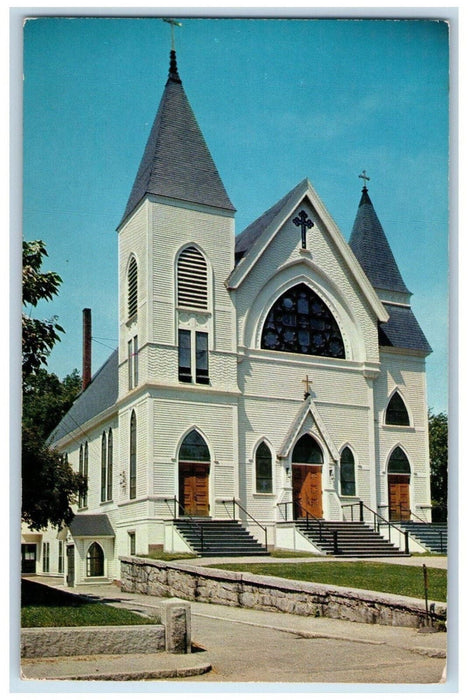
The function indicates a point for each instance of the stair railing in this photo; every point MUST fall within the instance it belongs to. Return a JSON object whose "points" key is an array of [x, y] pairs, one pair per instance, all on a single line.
{"points": [[321, 525], [235, 503], [378, 519], [176, 503]]}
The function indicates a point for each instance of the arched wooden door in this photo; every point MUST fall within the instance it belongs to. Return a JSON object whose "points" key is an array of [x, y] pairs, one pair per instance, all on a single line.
{"points": [[194, 472], [307, 461], [399, 474]]}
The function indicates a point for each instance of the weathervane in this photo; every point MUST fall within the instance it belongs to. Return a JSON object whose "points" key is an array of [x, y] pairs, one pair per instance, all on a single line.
{"points": [[364, 177], [173, 24]]}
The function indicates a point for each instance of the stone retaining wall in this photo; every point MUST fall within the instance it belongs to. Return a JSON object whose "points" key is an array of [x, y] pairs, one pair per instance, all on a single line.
{"points": [[247, 590], [173, 636]]}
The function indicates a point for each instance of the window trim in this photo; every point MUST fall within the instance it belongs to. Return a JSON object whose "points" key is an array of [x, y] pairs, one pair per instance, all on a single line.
{"points": [[132, 473], [132, 288], [348, 495], [391, 398], [258, 491]]}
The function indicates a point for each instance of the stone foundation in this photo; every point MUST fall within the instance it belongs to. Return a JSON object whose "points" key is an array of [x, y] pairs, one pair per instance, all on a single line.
{"points": [[247, 590]]}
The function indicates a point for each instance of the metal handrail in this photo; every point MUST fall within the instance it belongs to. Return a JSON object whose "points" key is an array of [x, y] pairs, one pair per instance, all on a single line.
{"points": [[362, 505], [235, 503], [321, 526], [175, 500]]}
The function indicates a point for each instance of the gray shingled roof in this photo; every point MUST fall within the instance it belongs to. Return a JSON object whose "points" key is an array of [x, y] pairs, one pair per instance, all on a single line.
{"points": [[101, 394], [176, 162], [91, 525], [370, 246], [402, 330], [246, 239]]}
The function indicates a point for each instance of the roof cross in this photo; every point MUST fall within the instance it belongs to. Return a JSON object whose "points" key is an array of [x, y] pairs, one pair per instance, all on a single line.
{"points": [[307, 381], [173, 24], [305, 223], [364, 177]]}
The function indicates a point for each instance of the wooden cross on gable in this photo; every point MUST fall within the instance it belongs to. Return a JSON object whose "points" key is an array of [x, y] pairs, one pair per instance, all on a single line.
{"points": [[307, 382], [304, 222]]}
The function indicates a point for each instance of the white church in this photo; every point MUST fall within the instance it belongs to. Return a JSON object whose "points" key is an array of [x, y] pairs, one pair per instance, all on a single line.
{"points": [[268, 390]]}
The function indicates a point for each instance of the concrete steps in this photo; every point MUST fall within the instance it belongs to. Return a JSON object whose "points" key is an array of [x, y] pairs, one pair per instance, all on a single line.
{"points": [[432, 536], [355, 539], [221, 538]]}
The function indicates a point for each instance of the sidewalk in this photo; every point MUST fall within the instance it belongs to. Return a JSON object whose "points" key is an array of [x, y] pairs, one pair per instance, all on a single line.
{"points": [[244, 645]]}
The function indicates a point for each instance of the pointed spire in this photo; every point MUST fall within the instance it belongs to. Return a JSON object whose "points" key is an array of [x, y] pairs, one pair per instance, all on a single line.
{"points": [[176, 162], [370, 246]]}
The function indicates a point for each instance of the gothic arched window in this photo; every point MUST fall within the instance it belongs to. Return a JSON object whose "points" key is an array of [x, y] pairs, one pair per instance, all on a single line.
{"points": [[307, 451], [110, 464], [132, 288], [194, 448], [192, 279], [347, 473], [398, 462], [396, 413], [103, 467], [263, 469], [299, 321]]}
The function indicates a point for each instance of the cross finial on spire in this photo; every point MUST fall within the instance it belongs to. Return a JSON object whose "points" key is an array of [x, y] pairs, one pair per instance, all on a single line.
{"points": [[364, 177], [173, 24]]}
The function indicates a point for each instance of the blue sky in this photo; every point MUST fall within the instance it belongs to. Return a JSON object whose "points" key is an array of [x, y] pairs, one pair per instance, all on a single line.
{"points": [[277, 101]]}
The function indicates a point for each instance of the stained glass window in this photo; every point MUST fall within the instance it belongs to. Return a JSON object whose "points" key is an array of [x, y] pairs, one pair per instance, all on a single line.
{"points": [[307, 451], [398, 463], [194, 449], [347, 475], [300, 322], [263, 470], [396, 413]]}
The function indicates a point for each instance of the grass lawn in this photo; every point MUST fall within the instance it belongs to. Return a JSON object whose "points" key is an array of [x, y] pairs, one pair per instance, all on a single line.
{"points": [[373, 576], [42, 606]]}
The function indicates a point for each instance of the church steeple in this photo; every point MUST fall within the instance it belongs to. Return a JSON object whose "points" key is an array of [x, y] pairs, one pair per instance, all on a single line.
{"points": [[370, 246], [176, 162]]}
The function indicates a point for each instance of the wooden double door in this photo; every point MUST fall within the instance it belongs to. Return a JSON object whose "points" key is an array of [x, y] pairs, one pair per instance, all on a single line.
{"points": [[194, 488], [399, 497], [307, 490]]}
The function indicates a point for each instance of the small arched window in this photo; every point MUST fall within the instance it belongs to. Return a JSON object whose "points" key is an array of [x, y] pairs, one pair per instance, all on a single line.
{"points": [[263, 469], [85, 474], [307, 451], [347, 473], [95, 560], [133, 455], [194, 448], [396, 413], [132, 288], [192, 279], [398, 462]]}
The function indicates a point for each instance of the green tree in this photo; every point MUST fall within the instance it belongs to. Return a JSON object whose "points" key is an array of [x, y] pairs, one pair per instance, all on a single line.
{"points": [[438, 451], [39, 337], [49, 485]]}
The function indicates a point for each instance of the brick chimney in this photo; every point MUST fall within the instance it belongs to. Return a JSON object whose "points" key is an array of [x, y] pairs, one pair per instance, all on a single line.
{"points": [[86, 348]]}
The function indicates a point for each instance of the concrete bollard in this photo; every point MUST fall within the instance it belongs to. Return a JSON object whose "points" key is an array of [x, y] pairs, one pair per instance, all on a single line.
{"points": [[176, 618]]}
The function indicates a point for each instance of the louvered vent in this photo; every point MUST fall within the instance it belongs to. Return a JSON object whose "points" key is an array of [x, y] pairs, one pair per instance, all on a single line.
{"points": [[132, 288], [192, 279]]}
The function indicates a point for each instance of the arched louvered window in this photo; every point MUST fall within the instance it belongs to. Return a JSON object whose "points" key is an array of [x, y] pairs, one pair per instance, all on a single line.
{"points": [[192, 279], [81, 473], [95, 560], [133, 455], [263, 469], [299, 321], [132, 288], [347, 473], [85, 474], [398, 462], [396, 413], [110, 464], [103, 467]]}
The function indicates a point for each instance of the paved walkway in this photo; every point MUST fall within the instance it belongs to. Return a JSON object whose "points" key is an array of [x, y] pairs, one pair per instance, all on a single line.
{"points": [[240, 645]]}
